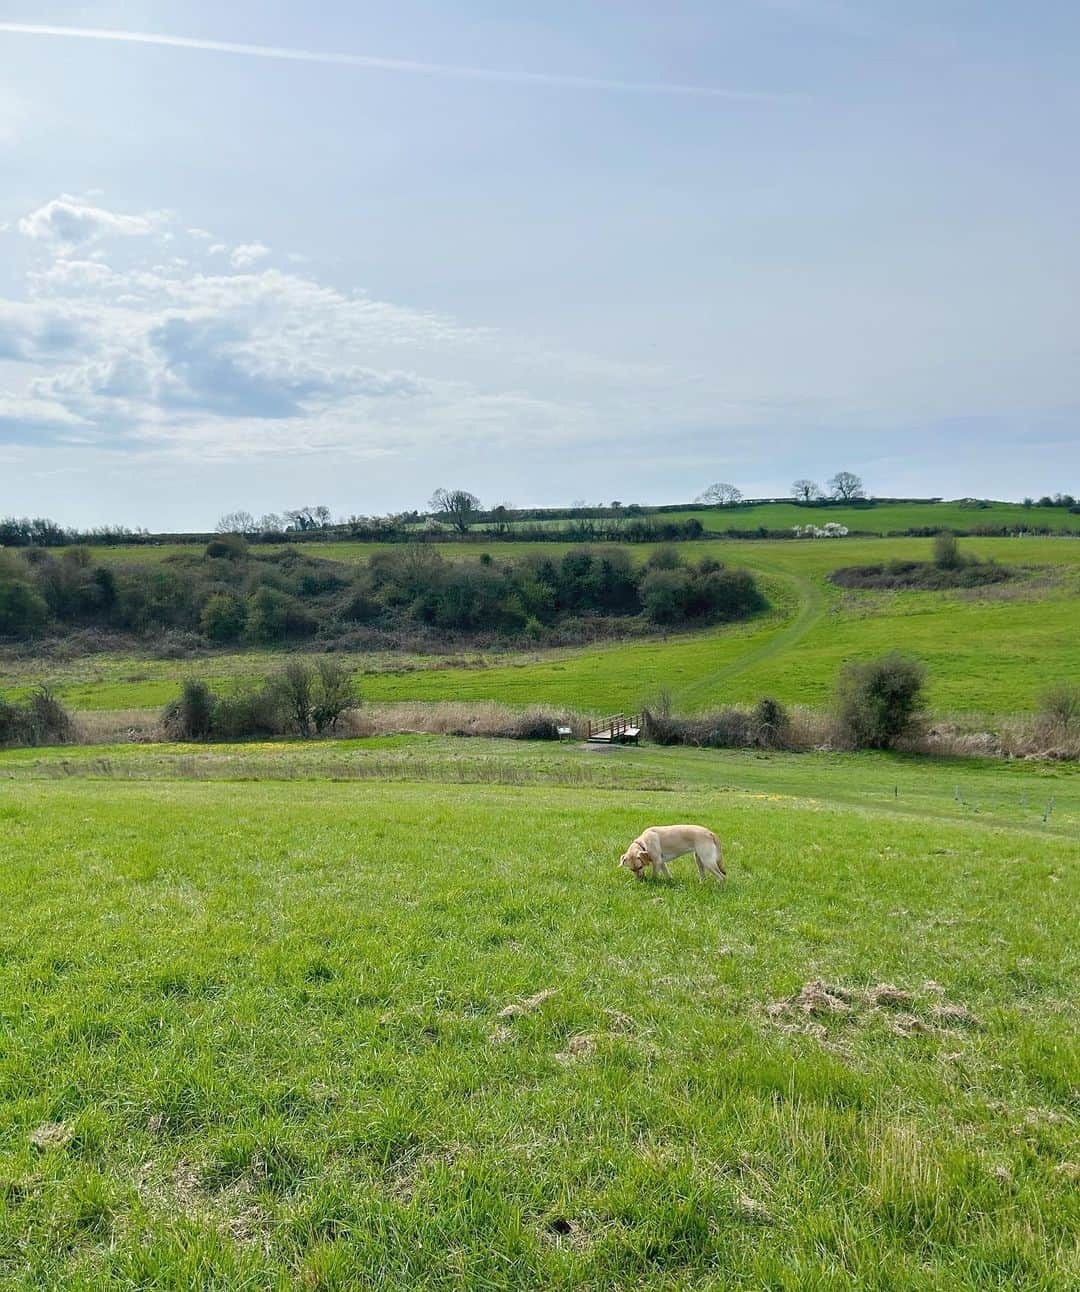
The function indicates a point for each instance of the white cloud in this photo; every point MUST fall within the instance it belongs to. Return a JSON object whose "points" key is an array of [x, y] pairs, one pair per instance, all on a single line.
{"points": [[202, 235], [164, 356], [248, 254], [29, 419], [68, 222]]}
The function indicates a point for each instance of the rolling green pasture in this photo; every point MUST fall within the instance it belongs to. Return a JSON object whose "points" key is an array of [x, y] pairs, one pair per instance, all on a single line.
{"points": [[988, 653], [253, 1009], [886, 518], [882, 518]]}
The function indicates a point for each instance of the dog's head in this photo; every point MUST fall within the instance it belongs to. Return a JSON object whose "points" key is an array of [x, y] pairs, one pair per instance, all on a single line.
{"points": [[635, 858]]}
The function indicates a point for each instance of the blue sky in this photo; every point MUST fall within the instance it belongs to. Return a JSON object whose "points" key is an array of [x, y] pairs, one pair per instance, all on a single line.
{"points": [[546, 251]]}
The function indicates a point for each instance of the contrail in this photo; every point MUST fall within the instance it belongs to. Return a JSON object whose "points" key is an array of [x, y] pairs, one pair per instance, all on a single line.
{"points": [[373, 63]]}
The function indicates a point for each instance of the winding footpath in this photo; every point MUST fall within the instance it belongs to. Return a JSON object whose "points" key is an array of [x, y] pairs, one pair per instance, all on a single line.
{"points": [[812, 605]]}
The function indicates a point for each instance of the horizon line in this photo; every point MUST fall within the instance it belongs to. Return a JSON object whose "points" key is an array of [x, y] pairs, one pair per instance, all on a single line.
{"points": [[379, 63]]}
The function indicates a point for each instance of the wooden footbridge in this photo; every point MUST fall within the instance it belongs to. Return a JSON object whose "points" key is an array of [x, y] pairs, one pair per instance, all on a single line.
{"points": [[619, 729]]}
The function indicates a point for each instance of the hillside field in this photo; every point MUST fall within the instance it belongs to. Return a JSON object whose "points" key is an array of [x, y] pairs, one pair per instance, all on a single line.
{"points": [[881, 518], [387, 1014], [989, 652]]}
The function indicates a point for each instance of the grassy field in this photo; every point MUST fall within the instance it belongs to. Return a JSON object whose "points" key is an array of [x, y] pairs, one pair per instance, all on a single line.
{"points": [[254, 1005], [887, 518], [882, 518], [988, 653]]}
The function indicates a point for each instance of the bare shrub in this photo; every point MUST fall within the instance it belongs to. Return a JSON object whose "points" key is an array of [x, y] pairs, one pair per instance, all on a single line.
{"points": [[40, 720], [452, 718], [113, 726], [1059, 710], [767, 725]]}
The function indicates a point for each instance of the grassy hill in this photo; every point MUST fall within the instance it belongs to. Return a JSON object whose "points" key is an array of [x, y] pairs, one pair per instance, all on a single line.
{"points": [[888, 518], [281, 1030], [989, 651]]}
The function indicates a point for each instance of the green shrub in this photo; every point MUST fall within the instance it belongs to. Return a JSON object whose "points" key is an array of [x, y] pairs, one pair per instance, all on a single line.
{"points": [[22, 610], [878, 701], [250, 711], [224, 617], [268, 615], [230, 547], [772, 723], [664, 595], [191, 715], [947, 551], [302, 699]]}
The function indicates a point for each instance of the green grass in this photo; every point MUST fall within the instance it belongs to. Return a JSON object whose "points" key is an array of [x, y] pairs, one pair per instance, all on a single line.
{"points": [[252, 1035], [990, 652], [886, 518], [882, 518]]}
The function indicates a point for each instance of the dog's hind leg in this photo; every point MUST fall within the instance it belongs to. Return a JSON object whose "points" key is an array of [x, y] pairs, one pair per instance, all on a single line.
{"points": [[700, 869]]}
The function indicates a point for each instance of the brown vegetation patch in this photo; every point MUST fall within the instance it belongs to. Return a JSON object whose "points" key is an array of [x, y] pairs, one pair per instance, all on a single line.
{"points": [[51, 1135], [529, 1005], [582, 1046], [955, 1016], [885, 994], [797, 1014]]}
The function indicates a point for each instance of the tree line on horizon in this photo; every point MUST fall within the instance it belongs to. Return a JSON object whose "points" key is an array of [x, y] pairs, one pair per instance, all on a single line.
{"points": [[461, 513]]}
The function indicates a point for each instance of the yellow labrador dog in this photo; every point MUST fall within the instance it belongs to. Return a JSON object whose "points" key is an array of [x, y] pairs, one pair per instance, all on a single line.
{"points": [[660, 844]]}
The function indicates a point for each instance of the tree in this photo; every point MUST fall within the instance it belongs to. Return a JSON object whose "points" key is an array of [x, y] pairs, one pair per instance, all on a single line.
{"points": [[846, 486], [237, 522], [305, 518], [459, 507], [315, 697], [335, 693], [805, 491], [500, 519], [720, 495]]}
